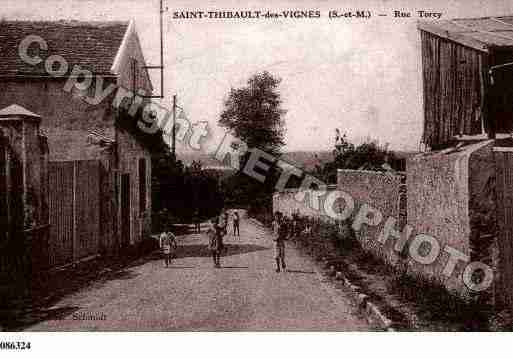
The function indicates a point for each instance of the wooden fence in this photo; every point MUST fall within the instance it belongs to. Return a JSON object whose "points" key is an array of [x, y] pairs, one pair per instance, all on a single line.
{"points": [[74, 206]]}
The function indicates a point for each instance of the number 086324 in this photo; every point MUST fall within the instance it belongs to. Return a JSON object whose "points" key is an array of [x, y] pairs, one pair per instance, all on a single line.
{"points": [[14, 345]]}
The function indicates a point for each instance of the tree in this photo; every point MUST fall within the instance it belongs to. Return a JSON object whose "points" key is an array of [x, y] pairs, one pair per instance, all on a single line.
{"points": [[254, 115]]}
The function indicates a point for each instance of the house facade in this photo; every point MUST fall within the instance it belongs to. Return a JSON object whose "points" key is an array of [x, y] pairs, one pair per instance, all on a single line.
{"points": [[80, 128]]}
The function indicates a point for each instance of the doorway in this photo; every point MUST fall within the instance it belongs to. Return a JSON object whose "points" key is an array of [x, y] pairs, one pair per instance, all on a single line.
{"points": [[125, 210]]}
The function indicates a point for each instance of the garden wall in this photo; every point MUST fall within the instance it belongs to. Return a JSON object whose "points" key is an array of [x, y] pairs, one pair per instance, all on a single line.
{"points": [[451, 198], [385, 193], [292, 201], [449, 195]]}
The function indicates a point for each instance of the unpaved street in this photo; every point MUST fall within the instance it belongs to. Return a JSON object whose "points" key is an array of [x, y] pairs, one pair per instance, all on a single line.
{"points": [[191, 295]]}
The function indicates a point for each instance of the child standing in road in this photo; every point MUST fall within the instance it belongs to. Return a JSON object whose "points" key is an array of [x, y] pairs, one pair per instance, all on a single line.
{"points": [[168, 245], [236, 220], [215, 238], [197, 222], [224, 223], [280, 235]]}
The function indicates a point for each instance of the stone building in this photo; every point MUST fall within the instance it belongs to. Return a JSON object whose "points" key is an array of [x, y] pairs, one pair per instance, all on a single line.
{"points": [[77, 125]]}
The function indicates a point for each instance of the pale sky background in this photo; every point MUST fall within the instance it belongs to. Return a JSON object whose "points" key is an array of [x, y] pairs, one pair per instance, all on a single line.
{"points": [[362, 76]]}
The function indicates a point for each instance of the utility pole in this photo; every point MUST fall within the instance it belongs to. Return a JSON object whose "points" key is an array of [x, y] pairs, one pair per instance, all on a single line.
{"points": [[161, 52], [173, 138], [161, 66]]}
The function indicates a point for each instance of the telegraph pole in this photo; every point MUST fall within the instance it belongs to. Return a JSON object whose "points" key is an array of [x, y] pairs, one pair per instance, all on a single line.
{"points": [[161, 51], [161, 66], [173, 138]]}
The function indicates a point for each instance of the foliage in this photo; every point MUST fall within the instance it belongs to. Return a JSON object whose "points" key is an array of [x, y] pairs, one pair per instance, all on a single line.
{"points": [[184, 192], [154, 142], [367, 156], [253, 113], [242, 191], [430, 300]]}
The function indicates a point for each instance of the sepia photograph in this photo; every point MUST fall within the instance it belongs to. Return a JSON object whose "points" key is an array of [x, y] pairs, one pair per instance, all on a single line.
{"points": [[286, 166]]}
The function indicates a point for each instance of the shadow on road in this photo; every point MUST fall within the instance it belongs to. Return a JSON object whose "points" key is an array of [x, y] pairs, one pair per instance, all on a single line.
{"points": [[37, 306], [38, 303], [299, 271], [202, 250], [30, 318]]}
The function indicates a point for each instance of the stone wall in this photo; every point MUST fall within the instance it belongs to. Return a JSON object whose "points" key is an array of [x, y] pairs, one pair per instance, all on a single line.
{"points": [[451, 198], [66, 117], [129, 153], [381, 191], [449, 195], [24, 198], [293, 201]]}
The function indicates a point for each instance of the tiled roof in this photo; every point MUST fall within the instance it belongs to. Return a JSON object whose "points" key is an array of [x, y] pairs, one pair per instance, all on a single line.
{"points": [[92, 45], [480, 33]]}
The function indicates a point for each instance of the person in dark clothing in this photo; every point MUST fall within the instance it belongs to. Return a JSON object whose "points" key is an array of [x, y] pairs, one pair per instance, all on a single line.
{"points": [[197, 222], [280, 236], [236, 222], [215, 235]]}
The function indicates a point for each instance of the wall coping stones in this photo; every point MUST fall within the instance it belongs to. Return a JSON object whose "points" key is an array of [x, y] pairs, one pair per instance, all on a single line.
{"points": [[17, 112]]}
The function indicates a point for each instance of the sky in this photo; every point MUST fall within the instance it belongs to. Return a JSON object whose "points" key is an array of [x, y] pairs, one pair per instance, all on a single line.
{"points": [[360, 75]]}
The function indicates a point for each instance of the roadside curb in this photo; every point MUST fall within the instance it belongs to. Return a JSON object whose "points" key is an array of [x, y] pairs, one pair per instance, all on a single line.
{"points": [[370, 309], [374, 315]]}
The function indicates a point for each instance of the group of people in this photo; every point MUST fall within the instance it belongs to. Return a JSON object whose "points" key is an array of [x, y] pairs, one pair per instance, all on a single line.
{"points": [[284, 228]]}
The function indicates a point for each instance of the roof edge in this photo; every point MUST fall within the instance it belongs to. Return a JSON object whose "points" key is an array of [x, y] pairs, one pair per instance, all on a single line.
{"points": [[430, 27], [122, 48], [143, 58], [15, 111], [42, 76]]}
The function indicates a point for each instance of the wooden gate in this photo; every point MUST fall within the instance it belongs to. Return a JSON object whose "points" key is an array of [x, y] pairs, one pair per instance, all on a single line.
{"points": [[74, 206]]}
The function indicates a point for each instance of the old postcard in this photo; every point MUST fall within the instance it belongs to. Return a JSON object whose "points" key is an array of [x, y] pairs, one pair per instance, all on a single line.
{"points": [[260, 166]]}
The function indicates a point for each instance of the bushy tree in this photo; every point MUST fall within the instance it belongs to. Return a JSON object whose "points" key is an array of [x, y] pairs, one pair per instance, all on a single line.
{"points": [[253, 113]]}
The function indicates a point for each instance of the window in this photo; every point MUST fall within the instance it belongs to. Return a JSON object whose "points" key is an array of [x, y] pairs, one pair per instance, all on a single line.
{"points": [[142, 185]]}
